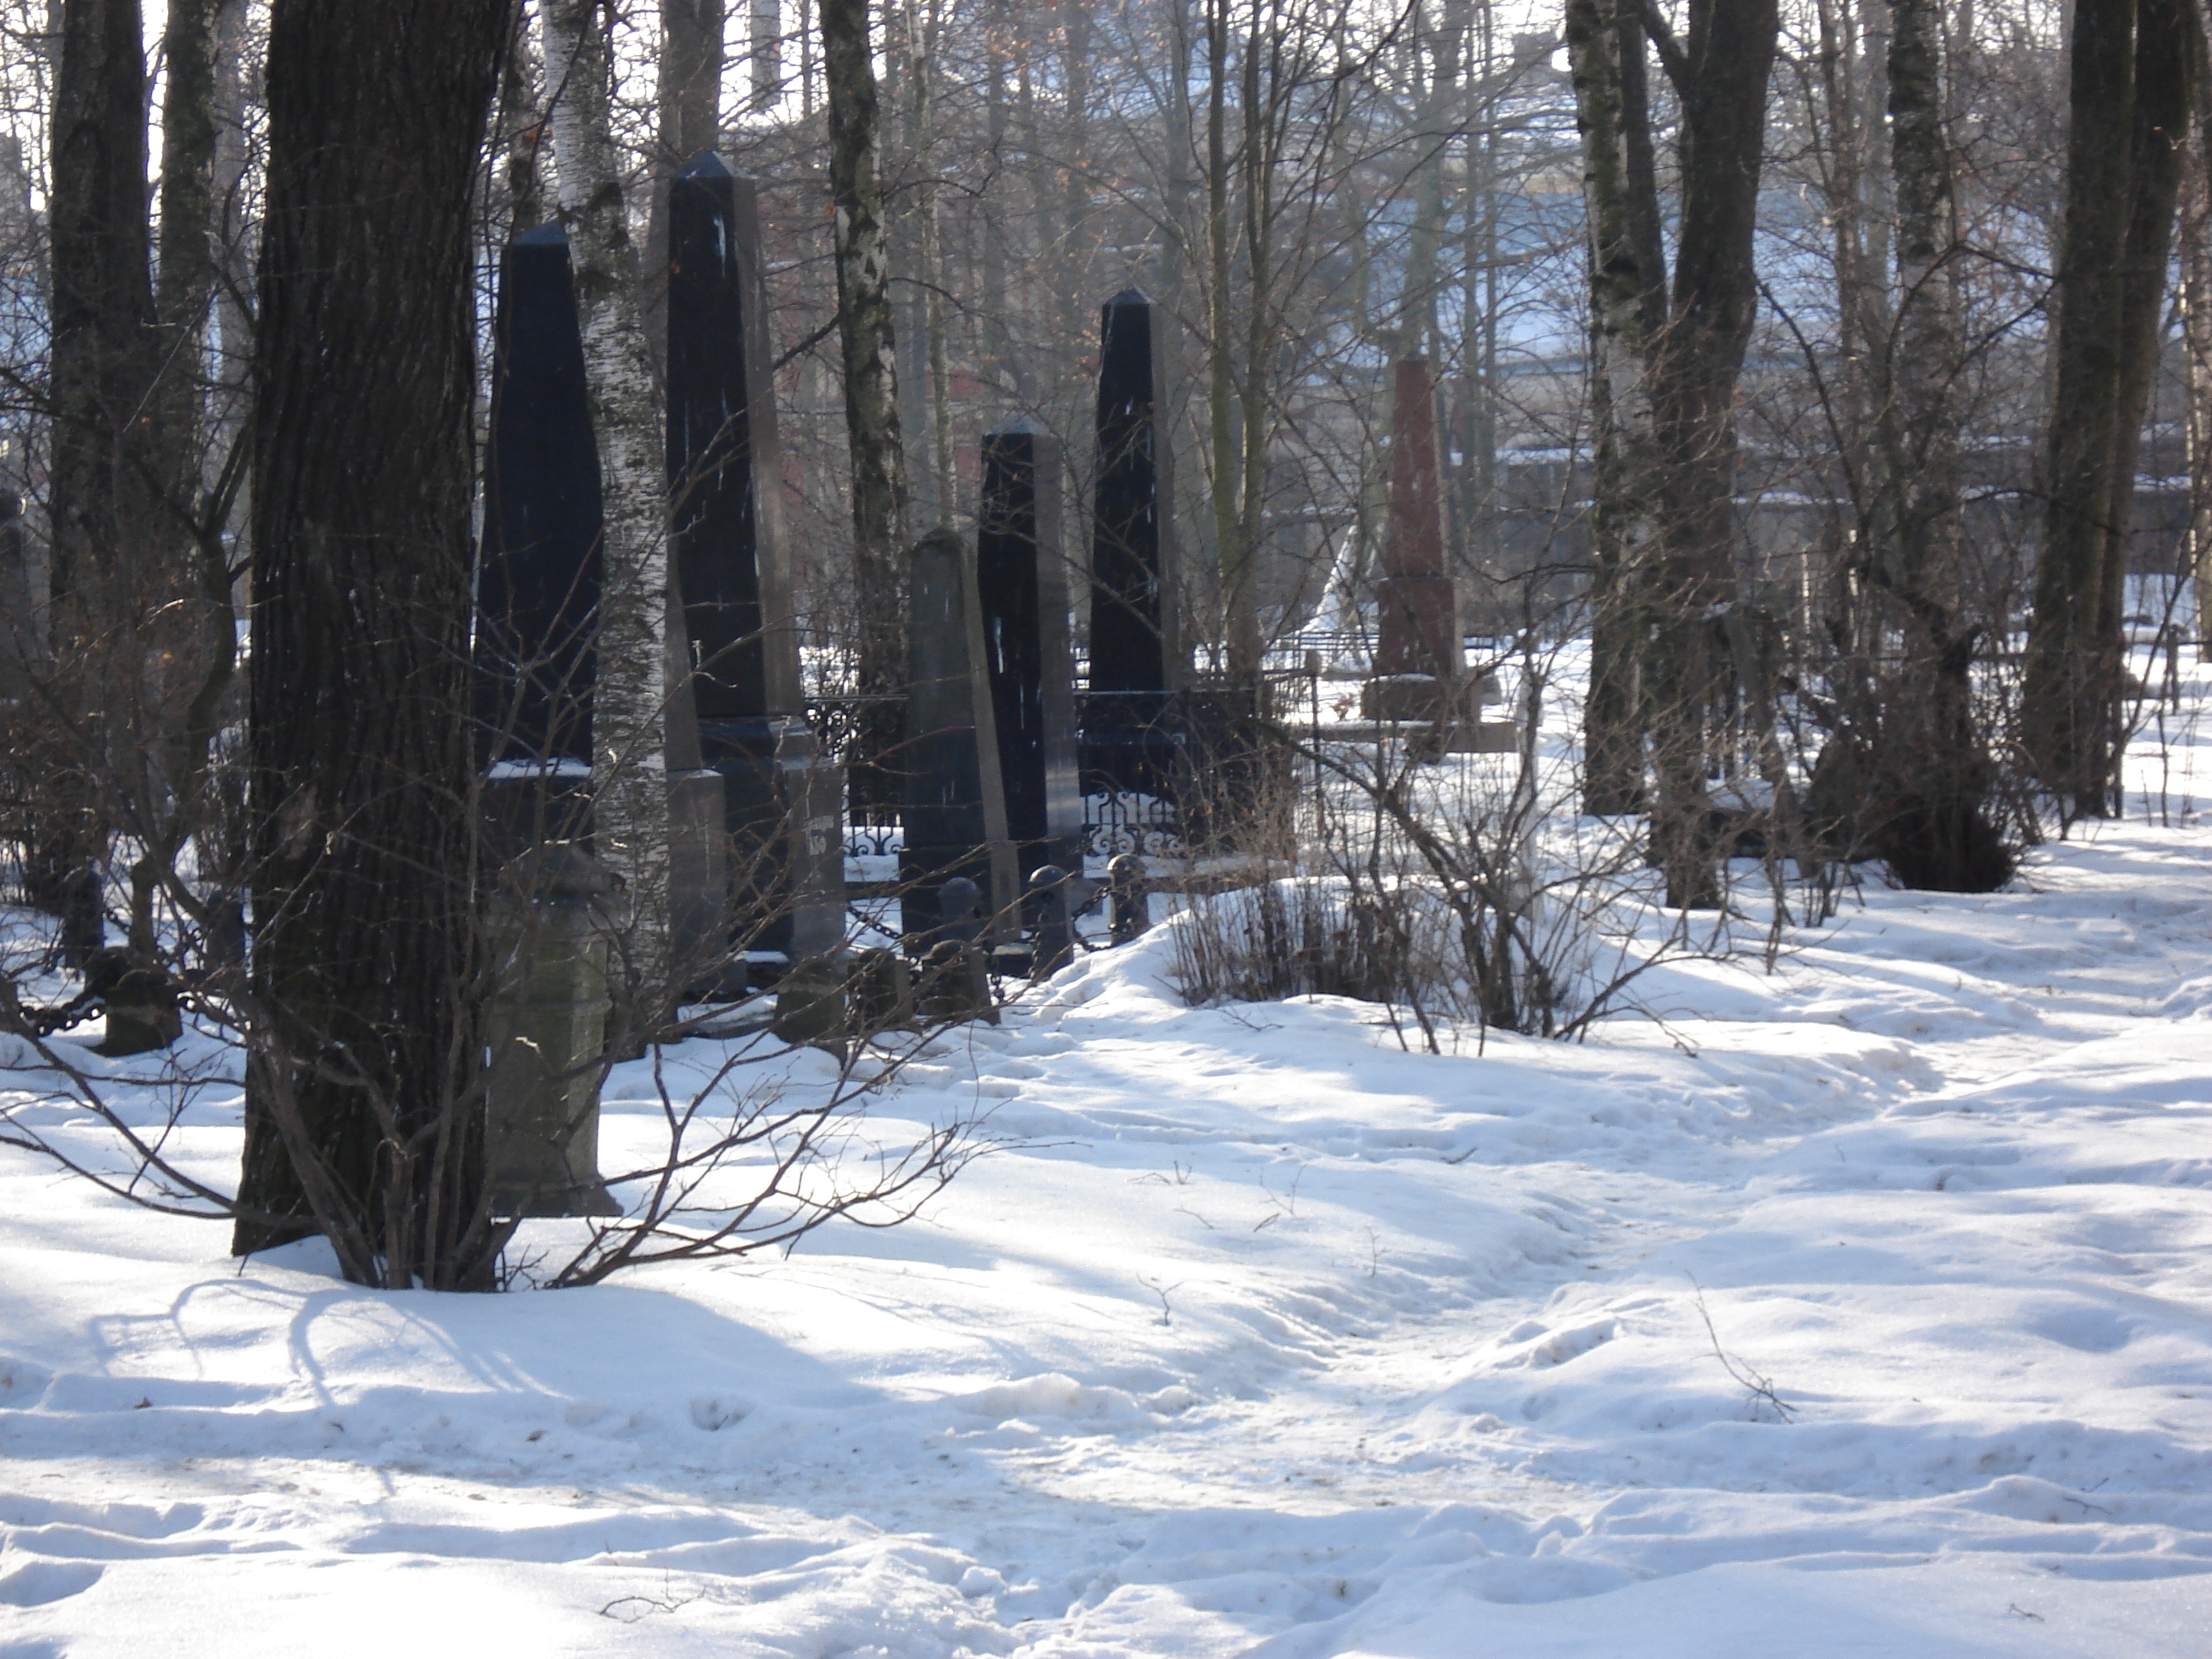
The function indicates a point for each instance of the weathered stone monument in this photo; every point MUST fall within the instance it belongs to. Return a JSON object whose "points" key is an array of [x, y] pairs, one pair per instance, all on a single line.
{"points": [[955, 811], [1418, 650], [780, 801], [1419, 657], [1021, 579], [537, 583], [1137, 661]]}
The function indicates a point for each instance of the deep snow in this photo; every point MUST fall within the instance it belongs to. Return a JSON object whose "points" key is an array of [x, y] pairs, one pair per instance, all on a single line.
{"points": [[1270, 1338]]}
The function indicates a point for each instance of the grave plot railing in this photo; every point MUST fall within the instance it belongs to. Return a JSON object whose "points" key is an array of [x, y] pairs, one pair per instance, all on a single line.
{"points": [[1117, 822]]}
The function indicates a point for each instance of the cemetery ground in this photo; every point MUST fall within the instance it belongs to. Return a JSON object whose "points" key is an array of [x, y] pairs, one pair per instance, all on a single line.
{"points": [[1859, 1306]]}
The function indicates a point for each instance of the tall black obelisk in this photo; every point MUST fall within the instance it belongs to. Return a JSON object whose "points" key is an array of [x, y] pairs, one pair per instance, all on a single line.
{"points": [[1022, 578], [1136, 637], [538, 581], [781, 803]]}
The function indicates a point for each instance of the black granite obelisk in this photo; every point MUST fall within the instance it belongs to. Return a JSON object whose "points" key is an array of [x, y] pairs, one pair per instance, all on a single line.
{"points": [[1022, 582], [781, 802], [955, 816], [538, 581], [1136, 639]]}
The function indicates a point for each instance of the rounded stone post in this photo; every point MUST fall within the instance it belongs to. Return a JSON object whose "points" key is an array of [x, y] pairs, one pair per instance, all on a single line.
{"points": [[1052, 945]]}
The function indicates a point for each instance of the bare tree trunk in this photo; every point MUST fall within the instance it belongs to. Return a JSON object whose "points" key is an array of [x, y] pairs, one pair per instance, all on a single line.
{"points": [[871, 410], [995, 324], [689, 106], [362, 1119], [236, 248], [1628, 299], [2168, 51], [906, 57], [1721, 80], [174, 627], [630, 702], [1244, 648], [1927, 768], [2071, 686], [1225, 431], [765, 46], [2195, 236], [187, 263], [522, 131], [104, 501]]}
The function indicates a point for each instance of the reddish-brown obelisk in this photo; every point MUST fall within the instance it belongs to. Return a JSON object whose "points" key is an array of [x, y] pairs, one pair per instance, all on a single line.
{"points": [[1418, 657]]}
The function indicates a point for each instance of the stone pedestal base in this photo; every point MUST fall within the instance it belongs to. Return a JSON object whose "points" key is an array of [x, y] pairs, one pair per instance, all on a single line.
{"points": [[782, 811], [1424, 698], [1417, 626], [1483, 738], [699, 889], [546, 1029]]}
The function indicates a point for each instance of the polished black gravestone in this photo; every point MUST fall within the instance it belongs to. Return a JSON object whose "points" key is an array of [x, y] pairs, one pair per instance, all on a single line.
{"points": [[955, 809], [1137, 666], [538, 583], [1022, 582], [781, 803]]}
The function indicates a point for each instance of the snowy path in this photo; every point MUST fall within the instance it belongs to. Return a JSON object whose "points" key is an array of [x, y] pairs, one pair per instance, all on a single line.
{"points": [[1271, 1337]]}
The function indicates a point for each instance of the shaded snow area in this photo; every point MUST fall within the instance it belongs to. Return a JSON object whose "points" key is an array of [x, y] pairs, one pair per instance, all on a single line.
{"points": [[1862, 1307]]}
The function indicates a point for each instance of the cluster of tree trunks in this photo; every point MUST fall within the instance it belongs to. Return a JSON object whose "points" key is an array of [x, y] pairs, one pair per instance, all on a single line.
{"points": [[2132, 69], [1667, 359], [1909, 762]]}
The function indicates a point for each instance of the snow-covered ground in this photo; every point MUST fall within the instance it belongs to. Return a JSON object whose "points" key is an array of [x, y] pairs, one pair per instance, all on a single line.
{"points": [[1860, 1307]]}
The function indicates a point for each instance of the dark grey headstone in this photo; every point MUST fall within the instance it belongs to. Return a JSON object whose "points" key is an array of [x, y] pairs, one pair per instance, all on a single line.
{"points": [[955, 816], [1022, 581]]}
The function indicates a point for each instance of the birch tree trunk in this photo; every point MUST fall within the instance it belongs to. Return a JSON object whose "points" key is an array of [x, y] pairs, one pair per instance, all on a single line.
{"points": [[630, 698], [871, 410], [1225, 431]]}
